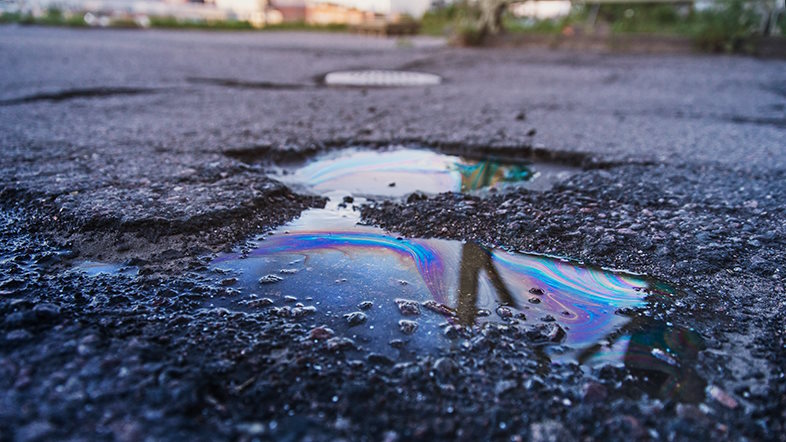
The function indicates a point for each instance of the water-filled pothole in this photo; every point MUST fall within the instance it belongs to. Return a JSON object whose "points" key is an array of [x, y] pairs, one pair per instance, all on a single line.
{"points": [[361, 287], [401, 296], [402, 171], [405, 296], [96, 268]]}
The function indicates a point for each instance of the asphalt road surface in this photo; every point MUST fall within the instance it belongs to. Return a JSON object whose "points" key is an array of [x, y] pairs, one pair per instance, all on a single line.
{"points": [[148, 148]]}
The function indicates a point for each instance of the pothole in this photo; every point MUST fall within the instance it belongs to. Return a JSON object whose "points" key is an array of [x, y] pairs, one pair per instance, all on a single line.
{"points": [[381, 78], [366, 289], [97, 268], [397, 172], [400, 297], [72, 94]]}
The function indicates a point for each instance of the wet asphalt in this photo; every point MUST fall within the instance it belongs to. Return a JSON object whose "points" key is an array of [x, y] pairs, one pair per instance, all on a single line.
{"points": [[149, 148]]}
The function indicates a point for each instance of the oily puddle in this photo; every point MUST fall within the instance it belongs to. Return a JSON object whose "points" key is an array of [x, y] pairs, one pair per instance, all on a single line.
{"points": [[401, 171], [97, 268], [400, 297]]}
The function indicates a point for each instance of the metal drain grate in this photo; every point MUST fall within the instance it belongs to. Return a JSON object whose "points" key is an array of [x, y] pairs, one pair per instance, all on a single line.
{"points": [[381, 78]]}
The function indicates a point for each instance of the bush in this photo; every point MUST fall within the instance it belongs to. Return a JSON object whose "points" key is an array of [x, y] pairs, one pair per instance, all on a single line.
{"points": [[470, 36], [171, 22], [10, 17], [728, 28], [528, 25], [303, 26], [443, 21]]}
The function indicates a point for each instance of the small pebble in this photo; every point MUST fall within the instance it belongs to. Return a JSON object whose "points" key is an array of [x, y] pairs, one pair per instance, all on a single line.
{"points": [[270, 279], [355, 318], [407, 327]]}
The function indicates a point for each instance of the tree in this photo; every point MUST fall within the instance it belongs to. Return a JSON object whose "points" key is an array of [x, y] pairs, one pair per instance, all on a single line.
{"points": [[490, 21]]}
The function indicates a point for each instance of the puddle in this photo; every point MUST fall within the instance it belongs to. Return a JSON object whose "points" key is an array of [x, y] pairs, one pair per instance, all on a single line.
{"points": [[381, 78], [398, 172], [96, 268], [400, 296], [661, 354]]}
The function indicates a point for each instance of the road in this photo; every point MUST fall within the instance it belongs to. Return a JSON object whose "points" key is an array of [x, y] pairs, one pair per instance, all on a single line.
{"points": [[145, 147]]}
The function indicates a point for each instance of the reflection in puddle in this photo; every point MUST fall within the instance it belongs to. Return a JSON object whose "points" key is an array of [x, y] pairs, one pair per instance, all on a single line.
{"points": [[402, 296], [573, 312], [95, 268], [661, 355], [398, 172]]}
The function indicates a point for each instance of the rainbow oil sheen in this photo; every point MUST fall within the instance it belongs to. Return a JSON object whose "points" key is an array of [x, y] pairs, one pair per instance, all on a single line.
{"points": [[327, 260], [398, 172], [403, 297]]}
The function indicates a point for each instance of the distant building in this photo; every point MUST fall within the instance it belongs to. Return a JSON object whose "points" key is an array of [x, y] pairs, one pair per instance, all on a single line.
{"points": [[541, 9], [259, 13], [322, 14], [292, 11]]}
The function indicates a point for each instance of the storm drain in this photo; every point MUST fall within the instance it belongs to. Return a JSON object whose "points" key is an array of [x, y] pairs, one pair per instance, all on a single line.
{"points": [[381, 78]]}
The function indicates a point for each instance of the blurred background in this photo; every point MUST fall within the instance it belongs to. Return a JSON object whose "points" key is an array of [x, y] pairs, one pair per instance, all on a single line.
{"points": [[743, 26]]}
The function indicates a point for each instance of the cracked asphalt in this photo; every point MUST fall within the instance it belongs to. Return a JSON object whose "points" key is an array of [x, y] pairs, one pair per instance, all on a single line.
{"points": [[149, 148]]}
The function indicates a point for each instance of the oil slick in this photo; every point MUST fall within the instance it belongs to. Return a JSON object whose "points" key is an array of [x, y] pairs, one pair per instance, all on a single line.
{"points": [[340, 266], [403, 297], [397, 172], [96, 268]]}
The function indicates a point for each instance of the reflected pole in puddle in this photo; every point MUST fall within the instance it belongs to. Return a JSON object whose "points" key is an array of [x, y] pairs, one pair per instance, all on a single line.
{"points": [[474, 260], [571, 306], [581, 302]]}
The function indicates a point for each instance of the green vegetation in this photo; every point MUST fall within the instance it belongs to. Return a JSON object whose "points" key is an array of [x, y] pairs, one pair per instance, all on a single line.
{"points": [[302, 26], [224, 25], [443, 21], [55, 17], [730, 29], [648, 18], [10, 17], [458, 21], [729, 26], [52, 17], [532, 26]]}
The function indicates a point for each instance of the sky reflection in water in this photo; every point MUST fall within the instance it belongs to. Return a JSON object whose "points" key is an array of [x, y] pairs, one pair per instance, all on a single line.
{"points": [[465, 277], [324, 255], [325, 259], [399, 172], [95, 268]]}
